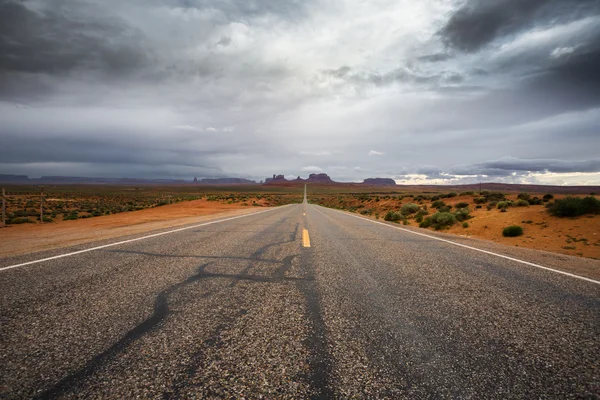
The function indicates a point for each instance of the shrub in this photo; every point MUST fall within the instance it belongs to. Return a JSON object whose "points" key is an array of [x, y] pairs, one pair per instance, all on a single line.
{"points": [[479, 200], [494, 196], [438, 204], [465, 225], [574, 206], [409, 208], [19, 220], [444, 209], [535, 201], [467, 193], [547, 197], [419, 218], [439, 220], [462, 214], [522, 203], [478, 206], [451, 194], [393, 216], [524, 196], [512, 231], [502, 205], [462, 205], [421, 213]]}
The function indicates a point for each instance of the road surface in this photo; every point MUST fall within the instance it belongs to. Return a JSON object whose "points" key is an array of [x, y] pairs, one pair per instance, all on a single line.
{"points": [[244, 308]]}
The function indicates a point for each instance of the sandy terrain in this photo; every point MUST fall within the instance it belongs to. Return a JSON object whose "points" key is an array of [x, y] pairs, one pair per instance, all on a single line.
{"points": [[26, 238], [544, 232]]}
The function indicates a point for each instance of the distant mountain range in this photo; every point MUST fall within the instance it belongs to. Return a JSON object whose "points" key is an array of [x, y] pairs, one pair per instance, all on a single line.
{"points": [[24, 179], [321, 179]]}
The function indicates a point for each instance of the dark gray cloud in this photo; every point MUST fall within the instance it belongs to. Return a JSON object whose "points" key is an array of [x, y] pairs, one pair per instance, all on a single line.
{"points": [[61, 38], [479, 22], [252, 88]]}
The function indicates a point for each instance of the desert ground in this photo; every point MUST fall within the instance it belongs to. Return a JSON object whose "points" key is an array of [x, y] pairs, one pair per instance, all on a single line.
{"points": [[80, 214], [576, 236]]}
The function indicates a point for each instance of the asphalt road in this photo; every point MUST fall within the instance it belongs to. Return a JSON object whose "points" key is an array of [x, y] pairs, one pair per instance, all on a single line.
{"points": [[242, 309]]}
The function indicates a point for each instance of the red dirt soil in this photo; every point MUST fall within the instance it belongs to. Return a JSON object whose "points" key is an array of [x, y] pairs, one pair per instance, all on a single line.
{"points": [[26, 238]]}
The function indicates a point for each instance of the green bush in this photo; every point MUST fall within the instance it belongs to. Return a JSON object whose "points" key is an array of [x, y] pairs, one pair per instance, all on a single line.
{"points": [[439, 220], [502, 205], [20, 220], [462, 205], [462, 214], [574, 206], [479, 200], [522, 203], [524, 196], [409, 208], [438, 204], [393, 216], [512, 231], [535, 201], [547, 197], [465, 225], [494, 196]]}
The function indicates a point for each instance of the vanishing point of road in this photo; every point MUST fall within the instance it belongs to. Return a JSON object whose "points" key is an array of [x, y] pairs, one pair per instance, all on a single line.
{"points": [[295, 302]]}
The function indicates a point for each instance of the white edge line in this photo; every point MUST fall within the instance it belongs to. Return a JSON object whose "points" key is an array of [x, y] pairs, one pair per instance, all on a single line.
{"points": [[134, 240], [472, 248]]}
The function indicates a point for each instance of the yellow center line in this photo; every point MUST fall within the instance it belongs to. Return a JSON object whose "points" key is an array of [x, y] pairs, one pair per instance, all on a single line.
{"points": [[305, 238]]}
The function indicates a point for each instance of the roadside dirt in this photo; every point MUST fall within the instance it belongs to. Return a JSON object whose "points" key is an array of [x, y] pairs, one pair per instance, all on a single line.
{"points": [[26, 238]]}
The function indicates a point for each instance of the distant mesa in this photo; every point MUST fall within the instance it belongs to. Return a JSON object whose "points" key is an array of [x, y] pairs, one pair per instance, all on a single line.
{"points": [[312, 178], [379, 182]]}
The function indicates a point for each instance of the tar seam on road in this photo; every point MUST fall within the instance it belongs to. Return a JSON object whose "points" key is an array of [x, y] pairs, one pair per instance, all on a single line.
{"points": [[476, 249], [305, 238], [132, 240]]}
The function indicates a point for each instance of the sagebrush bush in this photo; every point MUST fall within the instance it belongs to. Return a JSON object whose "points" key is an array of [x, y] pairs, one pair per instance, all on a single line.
{"points": [[535, 201], [465, 225], [438, 204], [462, 214], [439, 220], [461, 205], [409, 208], [19, 220], [512, 231], [479, 200], [574, 206], [393, 216], [524, 196], [547, 197], [522, 203]]}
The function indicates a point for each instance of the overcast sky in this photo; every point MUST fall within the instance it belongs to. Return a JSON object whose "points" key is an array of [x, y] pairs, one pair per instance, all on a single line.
{"points": [[428, 91]]}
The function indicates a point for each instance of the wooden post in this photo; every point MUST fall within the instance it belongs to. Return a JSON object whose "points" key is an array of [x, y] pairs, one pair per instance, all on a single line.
{"points": [[42, 206], [3, 208]]}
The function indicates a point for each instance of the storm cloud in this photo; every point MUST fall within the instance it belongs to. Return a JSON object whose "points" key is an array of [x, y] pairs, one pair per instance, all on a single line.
{"points": [[434, 91]]}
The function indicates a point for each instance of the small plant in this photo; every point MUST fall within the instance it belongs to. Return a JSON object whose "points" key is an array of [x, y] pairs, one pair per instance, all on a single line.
{"points": [[465, 225], [547, 197], [524, 196], [512, 231], [438, 204], [392, 216], [574, 206], [461, 205], [20, 220], [479, 200], [409, 208], [462, 214], [522, 203], [439, 220]]}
